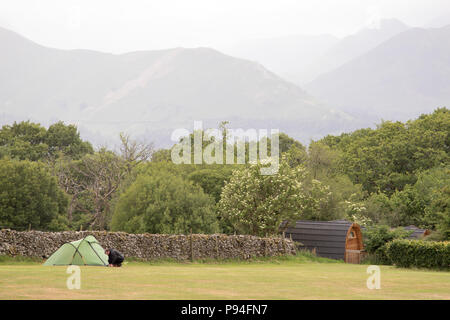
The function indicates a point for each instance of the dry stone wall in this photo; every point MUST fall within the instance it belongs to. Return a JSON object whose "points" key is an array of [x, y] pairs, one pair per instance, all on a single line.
{"points": [[149, 246]]}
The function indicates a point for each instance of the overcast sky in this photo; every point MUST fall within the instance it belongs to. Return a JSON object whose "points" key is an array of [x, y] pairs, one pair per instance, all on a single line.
{"points": [[126, 25]]}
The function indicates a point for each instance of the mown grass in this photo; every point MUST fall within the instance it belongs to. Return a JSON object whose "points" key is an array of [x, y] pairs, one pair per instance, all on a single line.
{"points": [[299, 277], [301, 257], [20, 260]]}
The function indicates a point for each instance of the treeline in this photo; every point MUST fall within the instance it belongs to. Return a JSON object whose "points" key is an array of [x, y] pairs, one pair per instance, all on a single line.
{"points": [[50, 179], [403, 169], [395, 175]]}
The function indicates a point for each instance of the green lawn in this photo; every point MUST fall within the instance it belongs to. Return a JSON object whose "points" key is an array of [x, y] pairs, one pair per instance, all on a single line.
{"points": [[294, 278]]}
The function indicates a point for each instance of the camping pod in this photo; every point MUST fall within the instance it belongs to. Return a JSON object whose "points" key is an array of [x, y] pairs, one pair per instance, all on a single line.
{"points": [[339, 239], [417, 233], [84, 252]]}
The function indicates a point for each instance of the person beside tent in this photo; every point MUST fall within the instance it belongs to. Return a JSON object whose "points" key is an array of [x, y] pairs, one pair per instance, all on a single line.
{"points": [[115, 258], [85, 252]]}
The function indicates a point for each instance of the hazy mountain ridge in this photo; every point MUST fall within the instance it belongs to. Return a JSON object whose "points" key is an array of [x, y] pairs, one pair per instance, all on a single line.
{"points": [[399, 79], [355, 45], [153, 92], [287, 56], [301, 59]]}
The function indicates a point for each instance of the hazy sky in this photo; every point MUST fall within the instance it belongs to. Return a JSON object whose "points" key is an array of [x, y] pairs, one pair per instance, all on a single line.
{"points": [[127, 25]]}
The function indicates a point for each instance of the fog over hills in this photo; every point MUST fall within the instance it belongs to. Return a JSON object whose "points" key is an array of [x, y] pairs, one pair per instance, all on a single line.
{"points": [[403, 77], [352, 47], [391, 72], [289, 56], [301, 59], [439, 22], [152, 92]]}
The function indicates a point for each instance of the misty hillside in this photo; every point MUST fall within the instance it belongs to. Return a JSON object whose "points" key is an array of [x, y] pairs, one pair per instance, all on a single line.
{"points": [[403, 77], [152, 92], [301, 59], [350, 48], [440, 21], [288, 56], [42, 82]]}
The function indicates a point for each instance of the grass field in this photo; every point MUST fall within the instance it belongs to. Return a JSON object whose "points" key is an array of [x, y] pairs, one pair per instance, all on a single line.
{"points": [[283, 278]]}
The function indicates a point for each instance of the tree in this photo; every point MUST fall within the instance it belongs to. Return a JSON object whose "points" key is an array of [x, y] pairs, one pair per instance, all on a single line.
{"points": [[164, 202], [31, 141], [135, 151], [211, 180], [416, 204], [296, 156], [258, 204], [91, 182], [30, 196], [161, 155], [286, 143], [439, 208], [321, 159], [388, 158], [65, 139], [24, 141]]}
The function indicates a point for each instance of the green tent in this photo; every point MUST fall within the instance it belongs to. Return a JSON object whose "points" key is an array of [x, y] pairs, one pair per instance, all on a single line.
{"points": [[84, 252]]}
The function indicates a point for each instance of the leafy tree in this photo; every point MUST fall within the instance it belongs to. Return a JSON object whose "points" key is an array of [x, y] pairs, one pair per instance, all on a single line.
{"points": [[433, 189], [164, 203], [211, 180], [24, 141], [388, 158], [296, 156], [415, 204], [345, 200], [318, 204], [258, 204], [286, 143], [29, 195], [161, 155], [65, 139], [321, 160], [31, 141], [439, 209]]}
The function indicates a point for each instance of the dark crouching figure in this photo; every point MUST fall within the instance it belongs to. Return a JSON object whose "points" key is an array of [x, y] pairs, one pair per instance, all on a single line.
{"points": [[115, 258]]}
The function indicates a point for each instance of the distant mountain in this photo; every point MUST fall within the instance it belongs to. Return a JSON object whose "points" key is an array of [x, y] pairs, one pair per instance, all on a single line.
{"points": [[350, 48], [152, 92], [300, 59], [441, 21], [287, 56], [399, 79]]}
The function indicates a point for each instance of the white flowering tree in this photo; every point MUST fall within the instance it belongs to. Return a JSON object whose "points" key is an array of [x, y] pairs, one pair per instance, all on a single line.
{"points": [[258, 204]]}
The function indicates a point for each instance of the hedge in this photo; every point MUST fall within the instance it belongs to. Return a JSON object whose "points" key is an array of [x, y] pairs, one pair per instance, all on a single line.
{"points": [[419, 253]]}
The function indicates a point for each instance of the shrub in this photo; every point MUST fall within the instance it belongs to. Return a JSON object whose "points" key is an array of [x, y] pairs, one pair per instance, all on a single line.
{"points": [[376, 238], [419, 253], [164, 203], [30, 196]]}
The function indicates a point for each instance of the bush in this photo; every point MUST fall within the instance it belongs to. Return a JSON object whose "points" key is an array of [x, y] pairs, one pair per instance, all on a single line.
{"points": [[419, 253], [30, 196], [164, 203], [375, 240]]}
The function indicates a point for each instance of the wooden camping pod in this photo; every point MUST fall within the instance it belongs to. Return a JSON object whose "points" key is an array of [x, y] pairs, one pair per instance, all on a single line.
{"points": [[417, 233], [339, 239]]}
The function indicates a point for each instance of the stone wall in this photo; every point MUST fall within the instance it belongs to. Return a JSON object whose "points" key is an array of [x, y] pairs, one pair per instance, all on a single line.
{"points": [[148, 246]]}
